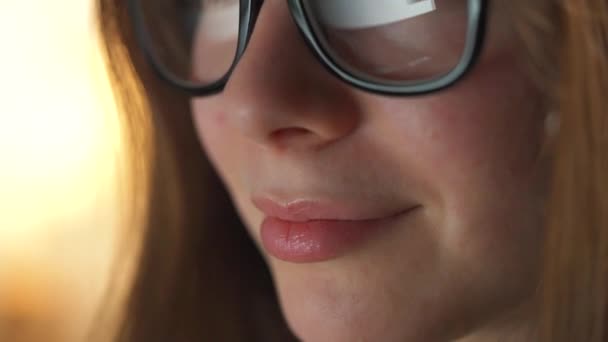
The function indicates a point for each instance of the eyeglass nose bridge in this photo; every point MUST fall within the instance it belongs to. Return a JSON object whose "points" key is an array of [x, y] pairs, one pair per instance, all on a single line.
{"points": [[248, 16]]}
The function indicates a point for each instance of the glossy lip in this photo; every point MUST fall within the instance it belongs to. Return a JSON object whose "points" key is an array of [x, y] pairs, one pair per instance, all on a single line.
{"points": [[305, 231]]}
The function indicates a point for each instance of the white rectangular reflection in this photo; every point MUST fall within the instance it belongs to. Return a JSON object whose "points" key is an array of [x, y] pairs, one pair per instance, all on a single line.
{"points": [[364, 13]]}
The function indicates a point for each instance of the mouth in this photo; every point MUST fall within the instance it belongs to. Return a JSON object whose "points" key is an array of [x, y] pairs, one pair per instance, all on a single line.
{"points": [[305, 231]]}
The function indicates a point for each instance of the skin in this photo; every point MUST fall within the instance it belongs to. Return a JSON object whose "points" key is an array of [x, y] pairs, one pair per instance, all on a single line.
{"points": [[463, 266]]}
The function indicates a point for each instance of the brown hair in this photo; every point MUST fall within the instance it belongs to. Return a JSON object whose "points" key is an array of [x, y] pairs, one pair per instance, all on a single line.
{"points": [[195, 283], [191, 282], [575, 282]]}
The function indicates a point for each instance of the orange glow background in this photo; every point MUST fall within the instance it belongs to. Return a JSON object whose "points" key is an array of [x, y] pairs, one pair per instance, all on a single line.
{"points": [[59, 152]]}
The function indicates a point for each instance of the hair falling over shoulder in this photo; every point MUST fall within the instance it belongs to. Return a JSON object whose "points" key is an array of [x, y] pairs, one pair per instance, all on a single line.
{"points": [[193, 283]]}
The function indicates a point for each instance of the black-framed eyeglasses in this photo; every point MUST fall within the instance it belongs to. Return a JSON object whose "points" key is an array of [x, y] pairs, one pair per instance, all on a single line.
{"points": [[391, 47]]}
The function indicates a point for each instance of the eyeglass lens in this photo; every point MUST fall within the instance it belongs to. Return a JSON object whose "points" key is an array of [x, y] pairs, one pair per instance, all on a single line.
{"points": [[375, 40]]}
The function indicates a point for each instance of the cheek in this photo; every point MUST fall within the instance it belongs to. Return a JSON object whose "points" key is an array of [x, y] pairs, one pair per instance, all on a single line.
{"points": [[488, 126], [475, 150], [218, 139]]}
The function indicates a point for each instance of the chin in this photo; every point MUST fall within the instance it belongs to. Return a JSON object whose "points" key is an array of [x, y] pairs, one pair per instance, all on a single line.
{"points": [[323, 312], [366, 328]]}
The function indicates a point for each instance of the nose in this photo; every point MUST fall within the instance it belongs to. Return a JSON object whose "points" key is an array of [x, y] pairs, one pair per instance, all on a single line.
{"points": [[280, 96]]}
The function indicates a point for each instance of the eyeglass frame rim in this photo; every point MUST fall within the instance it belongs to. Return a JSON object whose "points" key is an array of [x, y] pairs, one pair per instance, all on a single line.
{"points": [[476, 33]]}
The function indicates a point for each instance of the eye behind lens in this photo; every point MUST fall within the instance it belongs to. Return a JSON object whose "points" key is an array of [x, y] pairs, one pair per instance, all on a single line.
{"points": [[391, 41]]}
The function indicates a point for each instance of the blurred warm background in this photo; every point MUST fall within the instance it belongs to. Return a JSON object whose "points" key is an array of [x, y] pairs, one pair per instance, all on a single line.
{"points": [[59, 148]]}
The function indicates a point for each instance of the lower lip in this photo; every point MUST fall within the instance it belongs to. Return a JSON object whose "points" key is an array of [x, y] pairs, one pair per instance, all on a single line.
{"points": [[319, 240]]}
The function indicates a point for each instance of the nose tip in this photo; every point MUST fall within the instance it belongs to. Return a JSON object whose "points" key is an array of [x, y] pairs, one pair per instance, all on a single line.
{"points": [[280, 95], [288, 125]]}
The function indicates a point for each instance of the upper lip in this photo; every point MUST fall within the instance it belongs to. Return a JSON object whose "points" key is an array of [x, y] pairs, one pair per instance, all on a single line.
{"points": [[304, 210]]}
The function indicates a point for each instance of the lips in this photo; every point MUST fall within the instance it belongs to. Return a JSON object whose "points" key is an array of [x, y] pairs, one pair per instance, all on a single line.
{"points": [[313, 231], [307, 210]]}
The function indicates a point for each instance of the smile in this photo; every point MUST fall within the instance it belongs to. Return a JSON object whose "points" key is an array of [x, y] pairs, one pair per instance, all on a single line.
{"points": [[307, 231]]}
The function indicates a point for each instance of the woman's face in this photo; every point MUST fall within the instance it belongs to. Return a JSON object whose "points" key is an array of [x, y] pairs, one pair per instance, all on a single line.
{"points": [[382, 218]]}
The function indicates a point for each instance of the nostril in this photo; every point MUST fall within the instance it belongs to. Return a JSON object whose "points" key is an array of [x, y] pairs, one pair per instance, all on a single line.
{"points": [[289, 133], [290, 136]]}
